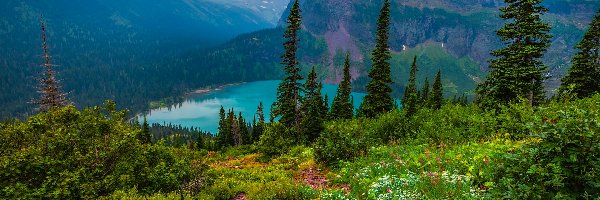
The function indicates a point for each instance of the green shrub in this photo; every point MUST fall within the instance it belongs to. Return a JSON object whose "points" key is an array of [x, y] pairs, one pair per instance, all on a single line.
{"points": [[341, 141], [276, 140], [513, 119], [452, 124], [388, 127], [69, 154], [565, 162], [257, 183]]}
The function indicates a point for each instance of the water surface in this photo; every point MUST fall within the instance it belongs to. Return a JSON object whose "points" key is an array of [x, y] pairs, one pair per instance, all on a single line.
{"points": [[202, 110]]}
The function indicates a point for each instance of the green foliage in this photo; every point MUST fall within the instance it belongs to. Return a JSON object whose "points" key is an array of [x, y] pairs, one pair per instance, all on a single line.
{"points": [[563, 163], [424, 171], [410, 100], [437, 98], [313, 108], [425, 94], [583, 76], [276, 140], [517, 71], [238, 171], [342, 107], [288, 92], [452, 124], [259, 127], [145, 137], [67, 153], [224, 136], [244, 130], [340, 141], [378, 99], [460, 72]]}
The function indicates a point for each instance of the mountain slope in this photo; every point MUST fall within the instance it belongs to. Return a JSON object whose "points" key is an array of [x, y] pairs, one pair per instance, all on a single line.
{"points": [[454, 36], [464, 28], [110, 49]]}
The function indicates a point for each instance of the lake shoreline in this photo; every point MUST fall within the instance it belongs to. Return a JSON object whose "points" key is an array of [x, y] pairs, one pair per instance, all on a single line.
{"points": [[199, 91], [209, 89]]}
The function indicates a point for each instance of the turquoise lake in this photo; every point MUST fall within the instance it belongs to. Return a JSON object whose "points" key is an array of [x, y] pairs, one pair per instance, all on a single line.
{"points": [[202, 110]]}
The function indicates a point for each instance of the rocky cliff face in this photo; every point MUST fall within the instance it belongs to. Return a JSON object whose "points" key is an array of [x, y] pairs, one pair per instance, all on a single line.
{"points": [[462, 28]]}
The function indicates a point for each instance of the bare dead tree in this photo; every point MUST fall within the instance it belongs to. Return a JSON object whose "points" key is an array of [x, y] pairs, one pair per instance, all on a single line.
{"points": [[51, 95]]}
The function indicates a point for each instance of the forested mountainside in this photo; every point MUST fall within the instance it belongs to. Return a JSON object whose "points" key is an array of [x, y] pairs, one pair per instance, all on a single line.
{"points": [[454, 36], [109, 49]]}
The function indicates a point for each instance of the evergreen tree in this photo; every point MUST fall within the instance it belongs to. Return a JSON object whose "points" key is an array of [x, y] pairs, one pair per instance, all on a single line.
{"points": [[272, 114], [224, 137], [260, 112], [325, 102], [245, 134], [145, 136], [200, 142], [436, 98], [342, 107], [288, 93], [425, 97], [583, 78], [312, 123], [49, 88], [517, 71], [235, 130], [258, 129], [378, 99], [411, 98]]}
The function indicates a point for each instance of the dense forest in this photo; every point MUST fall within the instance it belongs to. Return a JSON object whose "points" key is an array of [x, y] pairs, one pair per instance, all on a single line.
{"points": [[510, 141]]}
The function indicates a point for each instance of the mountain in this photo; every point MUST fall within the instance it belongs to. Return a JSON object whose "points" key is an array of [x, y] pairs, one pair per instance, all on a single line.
{"points": [[464, 29], [111, 49], [269, 10], [455, 36]]}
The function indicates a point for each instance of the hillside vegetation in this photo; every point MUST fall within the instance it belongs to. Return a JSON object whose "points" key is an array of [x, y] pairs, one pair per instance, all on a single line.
{"points": [[464, 152]]}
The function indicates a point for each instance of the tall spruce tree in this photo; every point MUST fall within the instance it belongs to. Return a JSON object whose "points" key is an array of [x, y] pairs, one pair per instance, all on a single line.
{"points": [[342, 107], [517, 70], [288, 93], [224, 138], [244, 133], [379, 99], [235, 129], [145, 136], [436, 98], [325, 103], [49, 88], [583, 78], [425, 97], [411, 98], [258, 129], [312, 123]]}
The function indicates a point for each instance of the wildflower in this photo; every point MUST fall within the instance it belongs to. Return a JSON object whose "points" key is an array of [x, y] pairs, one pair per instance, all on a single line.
{"points": [[430, 174], [438, 159], [389, 190], [486, 160]]}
